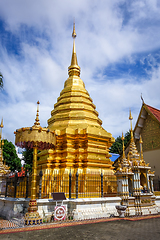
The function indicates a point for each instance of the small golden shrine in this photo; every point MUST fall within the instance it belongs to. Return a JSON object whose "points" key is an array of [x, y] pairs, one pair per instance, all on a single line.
{"points": [[81, 142], [135, 181]]}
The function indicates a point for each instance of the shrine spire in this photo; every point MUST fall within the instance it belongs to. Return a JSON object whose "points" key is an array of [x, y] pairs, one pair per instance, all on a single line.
{"points": [[74, 69], [130, 118], [37, 123]]}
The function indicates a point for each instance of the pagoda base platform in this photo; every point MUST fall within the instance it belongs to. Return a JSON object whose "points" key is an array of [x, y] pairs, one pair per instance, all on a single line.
{"points": [[79, 209], [148, 204]]}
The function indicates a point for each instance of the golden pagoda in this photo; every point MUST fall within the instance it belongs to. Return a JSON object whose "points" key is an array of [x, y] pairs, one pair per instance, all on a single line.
{"points": [[81, 141]]}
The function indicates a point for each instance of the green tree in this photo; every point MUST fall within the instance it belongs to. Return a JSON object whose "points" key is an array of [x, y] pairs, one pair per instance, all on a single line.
{"points": [[1, 80], [28, 158], [10, 156], [117, 145]]}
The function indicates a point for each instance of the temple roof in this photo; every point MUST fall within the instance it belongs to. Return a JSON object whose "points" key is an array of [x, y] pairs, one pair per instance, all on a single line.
{"points": [[145, 109], [154, 111]]}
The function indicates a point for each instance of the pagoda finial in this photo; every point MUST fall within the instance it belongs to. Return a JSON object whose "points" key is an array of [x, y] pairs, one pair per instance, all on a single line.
{"points": [[74, 35], [141, 151], [37, 123], [130, 118], [1, 123], [123, 146], [1, 126], [1, 142], [74, 69]]}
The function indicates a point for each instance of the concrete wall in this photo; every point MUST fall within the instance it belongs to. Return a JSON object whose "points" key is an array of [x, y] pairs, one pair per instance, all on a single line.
{"points": [[153, 158]]}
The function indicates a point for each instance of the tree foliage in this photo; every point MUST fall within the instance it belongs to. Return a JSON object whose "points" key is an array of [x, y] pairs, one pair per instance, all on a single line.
{"points": [[1, 80], [117, 145], [28, 158], [10, 156]]}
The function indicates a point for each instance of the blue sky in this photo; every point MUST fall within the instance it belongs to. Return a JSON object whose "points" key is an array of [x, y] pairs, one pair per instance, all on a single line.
{"points": [[118, 50]]}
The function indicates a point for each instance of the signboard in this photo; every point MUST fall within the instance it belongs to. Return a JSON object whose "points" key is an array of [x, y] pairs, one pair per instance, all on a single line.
{"points": [[59, 213]]}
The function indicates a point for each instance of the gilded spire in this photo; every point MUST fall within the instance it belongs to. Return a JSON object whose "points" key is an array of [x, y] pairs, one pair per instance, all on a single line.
{"points": [[74, 35], [74, 69], [141, 151], [130, 118], [1, 126], [1, 123], [123, 146], [37, 123]]}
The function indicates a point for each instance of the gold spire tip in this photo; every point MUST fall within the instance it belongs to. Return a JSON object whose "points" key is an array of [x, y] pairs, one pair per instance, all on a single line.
{"points": [[74, 31], [140, 139], [1, 123], [130, 116], [122, 137]]}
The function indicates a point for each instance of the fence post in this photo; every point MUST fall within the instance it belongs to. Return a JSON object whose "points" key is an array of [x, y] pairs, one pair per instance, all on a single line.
{"points": [[40, 183], [101, 184], [27, 184], [77, 184], [15, 184], [6, 186], [70, 176]]}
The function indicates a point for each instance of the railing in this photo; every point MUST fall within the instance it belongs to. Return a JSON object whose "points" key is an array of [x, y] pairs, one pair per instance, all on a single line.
{"points": [[73, 184]]}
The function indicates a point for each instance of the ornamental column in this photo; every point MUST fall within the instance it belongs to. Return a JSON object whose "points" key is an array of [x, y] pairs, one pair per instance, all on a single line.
{"points": [[40, 138]]}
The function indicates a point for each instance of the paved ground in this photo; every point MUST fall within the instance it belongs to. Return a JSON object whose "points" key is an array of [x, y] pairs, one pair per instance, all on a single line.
{"points": [[148, 229]]}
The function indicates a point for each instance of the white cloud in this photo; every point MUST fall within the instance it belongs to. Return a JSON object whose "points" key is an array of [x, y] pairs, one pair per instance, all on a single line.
{"points": [[107, 32]]}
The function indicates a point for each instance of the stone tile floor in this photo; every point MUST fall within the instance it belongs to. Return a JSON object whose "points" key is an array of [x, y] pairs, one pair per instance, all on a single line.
{"points": [[147, 228]]}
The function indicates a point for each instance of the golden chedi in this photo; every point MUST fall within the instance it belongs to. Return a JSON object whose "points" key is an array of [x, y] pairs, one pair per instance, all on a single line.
{"points": [[81, 141]]}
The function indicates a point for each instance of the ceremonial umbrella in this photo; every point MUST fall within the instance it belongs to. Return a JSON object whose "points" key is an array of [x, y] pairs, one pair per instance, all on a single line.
{"points": [[37, 138]]}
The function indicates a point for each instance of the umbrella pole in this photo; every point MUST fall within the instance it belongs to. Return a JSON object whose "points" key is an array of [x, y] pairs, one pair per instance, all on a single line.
{"points": [[32, 216]]}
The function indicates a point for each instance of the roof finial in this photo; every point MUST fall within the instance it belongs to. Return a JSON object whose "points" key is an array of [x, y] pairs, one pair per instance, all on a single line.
{"points": [[74, 69], [130, 118], [37, 115], [142, 99]]}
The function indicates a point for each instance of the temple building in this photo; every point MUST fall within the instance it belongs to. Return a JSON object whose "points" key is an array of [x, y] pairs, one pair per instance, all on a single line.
{"points": [[148, 126], [81, 141]]}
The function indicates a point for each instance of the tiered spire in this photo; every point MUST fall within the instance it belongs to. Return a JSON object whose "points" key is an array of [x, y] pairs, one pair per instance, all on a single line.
{"points": [[130, 118], [141, 151], [1, 126], [74, 107], [124, 160], [74, 69], [133, 153], [37, 123], [123, 146]]}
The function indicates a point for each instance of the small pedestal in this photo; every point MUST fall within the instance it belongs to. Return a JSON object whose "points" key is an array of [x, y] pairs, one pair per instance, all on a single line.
{"points": [[32, 216], [121, 209]]}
